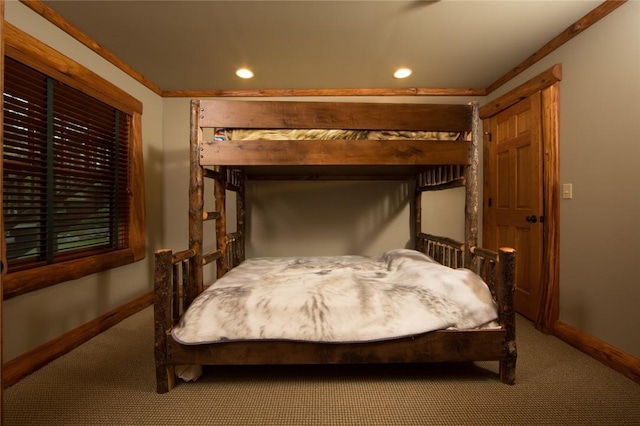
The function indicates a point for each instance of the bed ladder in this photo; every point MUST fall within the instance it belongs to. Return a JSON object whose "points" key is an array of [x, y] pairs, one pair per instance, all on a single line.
{"points": [[229, 251]]}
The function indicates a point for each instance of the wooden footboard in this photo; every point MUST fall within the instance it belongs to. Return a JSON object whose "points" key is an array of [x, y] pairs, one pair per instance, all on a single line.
{"points": [[168, 301], [174, 290], [497, 269]]}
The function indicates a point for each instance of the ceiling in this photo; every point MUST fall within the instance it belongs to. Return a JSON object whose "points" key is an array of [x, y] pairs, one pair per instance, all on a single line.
{"points": [[198, 45]]}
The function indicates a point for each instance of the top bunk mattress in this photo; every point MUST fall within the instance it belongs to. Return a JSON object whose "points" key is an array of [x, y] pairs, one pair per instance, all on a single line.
{"points": [[224, 134], [337, 299]]}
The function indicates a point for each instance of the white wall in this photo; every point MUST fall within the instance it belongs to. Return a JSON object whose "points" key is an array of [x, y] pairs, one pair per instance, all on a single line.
{"points": [[600, 156], [37, 317]]}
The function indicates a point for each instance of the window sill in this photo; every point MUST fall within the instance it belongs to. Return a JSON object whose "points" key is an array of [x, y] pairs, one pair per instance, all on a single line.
{"points": [[22, 282]]}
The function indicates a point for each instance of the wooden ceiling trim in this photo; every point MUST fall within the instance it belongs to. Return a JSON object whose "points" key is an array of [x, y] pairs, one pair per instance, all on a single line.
{"points": [[579, 26], [30, 51], [57, 20], [272, 93]]}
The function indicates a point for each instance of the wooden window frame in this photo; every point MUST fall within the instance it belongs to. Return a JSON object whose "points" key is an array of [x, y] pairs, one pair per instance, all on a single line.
{"points": [[31, 52]]}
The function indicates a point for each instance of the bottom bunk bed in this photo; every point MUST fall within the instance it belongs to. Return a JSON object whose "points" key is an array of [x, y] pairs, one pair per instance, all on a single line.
{"points": [[487, 341]]}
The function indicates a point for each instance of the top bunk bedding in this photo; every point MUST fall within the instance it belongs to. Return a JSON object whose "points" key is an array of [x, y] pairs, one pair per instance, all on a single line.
{"points": [[223, 134]]}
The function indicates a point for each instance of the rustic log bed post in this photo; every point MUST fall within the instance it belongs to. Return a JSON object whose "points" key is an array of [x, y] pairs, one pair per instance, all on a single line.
{"points": [[506, 314], [196, 208], [433, 165], [471, 187]]}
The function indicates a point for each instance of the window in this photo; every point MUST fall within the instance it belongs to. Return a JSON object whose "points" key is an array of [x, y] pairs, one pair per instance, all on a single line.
{"points": [[66, 171], [73, 197]]}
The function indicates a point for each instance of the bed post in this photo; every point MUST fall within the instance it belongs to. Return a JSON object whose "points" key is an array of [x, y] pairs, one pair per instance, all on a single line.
{"points": [[196, 207], [240, 218], [417, 216], [471, 189], [506, 313], [220, 188], [165, 377]]}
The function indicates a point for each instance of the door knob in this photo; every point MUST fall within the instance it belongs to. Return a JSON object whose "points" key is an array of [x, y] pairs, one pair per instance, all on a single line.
{"points": [[531, 219]]}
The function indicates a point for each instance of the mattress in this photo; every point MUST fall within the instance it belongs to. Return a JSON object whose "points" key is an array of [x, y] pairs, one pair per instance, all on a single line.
{"points": [[223, 134], [336, 299]]}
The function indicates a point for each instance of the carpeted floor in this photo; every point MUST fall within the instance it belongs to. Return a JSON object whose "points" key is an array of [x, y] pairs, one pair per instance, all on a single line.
{"points": [[111, 381]]}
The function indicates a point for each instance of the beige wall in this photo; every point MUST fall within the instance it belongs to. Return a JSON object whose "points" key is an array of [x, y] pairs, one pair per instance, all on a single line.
{"points": [[600, 156], [35, 318], [600, 101]]}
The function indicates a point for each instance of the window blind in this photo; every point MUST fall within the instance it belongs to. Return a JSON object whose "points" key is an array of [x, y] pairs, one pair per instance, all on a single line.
{"points": [[66, 168]]}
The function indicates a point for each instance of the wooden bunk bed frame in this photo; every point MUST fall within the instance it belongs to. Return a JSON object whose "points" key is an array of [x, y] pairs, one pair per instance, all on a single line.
{"points": [[431, 165]]}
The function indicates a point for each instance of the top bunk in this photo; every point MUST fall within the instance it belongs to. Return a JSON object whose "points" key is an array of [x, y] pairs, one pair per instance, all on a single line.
{"points": [[333, 138]]}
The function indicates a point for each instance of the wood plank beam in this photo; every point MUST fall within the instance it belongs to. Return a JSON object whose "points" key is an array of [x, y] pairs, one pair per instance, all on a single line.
{"points": [[334, 115], [332, 152]]}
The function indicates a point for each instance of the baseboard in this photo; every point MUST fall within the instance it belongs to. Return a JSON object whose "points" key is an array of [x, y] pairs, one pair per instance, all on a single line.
{"points": [[15, 370], [605, 353]]}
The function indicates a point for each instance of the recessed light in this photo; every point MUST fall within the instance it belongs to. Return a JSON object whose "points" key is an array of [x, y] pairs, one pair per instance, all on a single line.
{"points": [[402, 73], [244, 73]]}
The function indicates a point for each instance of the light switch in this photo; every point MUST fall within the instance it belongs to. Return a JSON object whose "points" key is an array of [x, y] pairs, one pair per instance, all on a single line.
{"points": [[567, 191]]}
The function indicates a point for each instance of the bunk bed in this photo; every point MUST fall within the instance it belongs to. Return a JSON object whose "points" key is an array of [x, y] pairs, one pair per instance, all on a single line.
{"points": [[231, 142]]}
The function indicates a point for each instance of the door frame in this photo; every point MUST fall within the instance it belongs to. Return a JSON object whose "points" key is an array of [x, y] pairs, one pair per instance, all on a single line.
{"points": [[548, 84]]}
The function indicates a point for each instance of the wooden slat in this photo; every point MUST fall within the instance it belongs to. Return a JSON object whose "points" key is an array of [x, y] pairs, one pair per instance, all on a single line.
{"points": [[182, 255], [450, 242], [210, 215], [334, 115], [212, 256], [488, 254], [211, 174], [333, 152]]}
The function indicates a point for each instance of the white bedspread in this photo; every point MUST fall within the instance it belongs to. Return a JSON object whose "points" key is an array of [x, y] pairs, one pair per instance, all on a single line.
{"points": [[337, 299]]}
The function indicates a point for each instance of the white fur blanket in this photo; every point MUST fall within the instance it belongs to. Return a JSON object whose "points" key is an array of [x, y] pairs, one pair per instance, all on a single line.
{"points": [[337, 299]]}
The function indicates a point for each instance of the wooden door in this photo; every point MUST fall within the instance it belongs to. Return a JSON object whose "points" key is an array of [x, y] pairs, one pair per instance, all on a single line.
{"points": [[513, 194]]}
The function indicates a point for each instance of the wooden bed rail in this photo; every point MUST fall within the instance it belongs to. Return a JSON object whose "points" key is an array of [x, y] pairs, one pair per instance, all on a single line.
{"points": [[440, 177], [486, 262], [452, 253], [443, 250]]}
